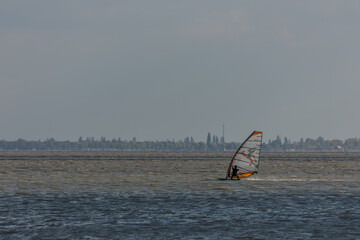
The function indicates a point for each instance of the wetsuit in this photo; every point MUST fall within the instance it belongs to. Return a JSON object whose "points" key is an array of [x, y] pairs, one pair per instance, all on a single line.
{"points": [[234, 172]]}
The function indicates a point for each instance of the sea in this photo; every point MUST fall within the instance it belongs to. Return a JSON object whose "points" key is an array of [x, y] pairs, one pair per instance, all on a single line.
{"points": [[177, 195]]}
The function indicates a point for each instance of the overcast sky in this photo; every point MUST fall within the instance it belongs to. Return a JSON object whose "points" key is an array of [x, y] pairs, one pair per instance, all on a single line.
{"points": [[159, 70]]}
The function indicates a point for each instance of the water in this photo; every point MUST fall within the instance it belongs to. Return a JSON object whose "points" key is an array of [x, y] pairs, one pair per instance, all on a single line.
{"points": [[101, 195]]}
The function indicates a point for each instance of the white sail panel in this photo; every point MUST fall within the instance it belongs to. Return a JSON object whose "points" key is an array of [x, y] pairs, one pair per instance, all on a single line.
{"points": [[247, 156]]}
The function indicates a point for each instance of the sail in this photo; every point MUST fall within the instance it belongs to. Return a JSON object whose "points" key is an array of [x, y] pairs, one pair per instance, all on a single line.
{"points": [[247, 157]]}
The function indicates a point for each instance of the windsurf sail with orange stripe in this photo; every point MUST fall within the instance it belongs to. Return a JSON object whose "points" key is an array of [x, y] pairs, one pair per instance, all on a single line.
{"points": [[247, 157]]}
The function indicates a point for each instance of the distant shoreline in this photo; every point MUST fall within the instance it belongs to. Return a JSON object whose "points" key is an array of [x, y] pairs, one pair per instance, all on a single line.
{"points": [[213, 144]]}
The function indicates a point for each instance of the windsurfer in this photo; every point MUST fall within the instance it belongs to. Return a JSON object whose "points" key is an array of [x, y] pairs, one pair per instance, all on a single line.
{"points": [[234, 172]]}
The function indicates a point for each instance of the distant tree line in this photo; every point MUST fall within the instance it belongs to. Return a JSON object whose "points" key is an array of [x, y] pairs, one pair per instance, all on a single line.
{"points": [[212, 143], [318, 144]]}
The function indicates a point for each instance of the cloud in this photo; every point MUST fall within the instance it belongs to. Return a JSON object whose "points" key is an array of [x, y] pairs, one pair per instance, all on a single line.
{"points": [[291, 39], [16, 38], [231, 23]]}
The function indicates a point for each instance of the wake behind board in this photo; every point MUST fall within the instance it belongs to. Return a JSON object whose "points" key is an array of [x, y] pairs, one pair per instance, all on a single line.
{"points": [[245, 161], [229, 179]]}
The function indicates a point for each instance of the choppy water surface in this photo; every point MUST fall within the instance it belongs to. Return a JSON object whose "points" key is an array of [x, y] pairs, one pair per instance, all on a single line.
{"points": [[102, 195]]}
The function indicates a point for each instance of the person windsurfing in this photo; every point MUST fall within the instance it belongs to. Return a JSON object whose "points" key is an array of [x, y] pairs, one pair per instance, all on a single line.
{"points": [[234, 172]]}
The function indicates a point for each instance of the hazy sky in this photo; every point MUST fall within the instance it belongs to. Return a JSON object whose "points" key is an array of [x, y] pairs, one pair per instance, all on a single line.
{"points": [[159, 70]]}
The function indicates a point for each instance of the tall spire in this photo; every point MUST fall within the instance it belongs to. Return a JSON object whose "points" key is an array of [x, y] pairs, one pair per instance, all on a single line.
{"points": [[223, 137], [223, 133]]}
